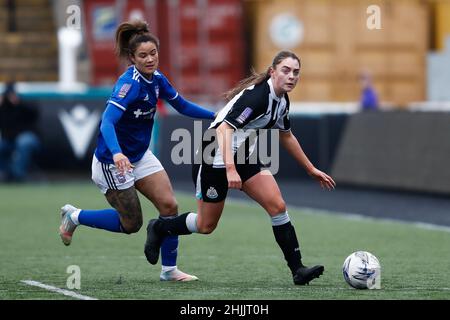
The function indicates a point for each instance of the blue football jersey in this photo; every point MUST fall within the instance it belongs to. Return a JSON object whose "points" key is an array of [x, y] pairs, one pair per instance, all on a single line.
{"points": [[137, 97]]}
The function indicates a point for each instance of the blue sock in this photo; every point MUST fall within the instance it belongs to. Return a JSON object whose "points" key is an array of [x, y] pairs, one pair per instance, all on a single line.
{"points": [[169, 248], [107, 219], [169, 251]]}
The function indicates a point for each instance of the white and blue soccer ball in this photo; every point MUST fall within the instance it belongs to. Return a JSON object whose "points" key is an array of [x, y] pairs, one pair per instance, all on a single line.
{"points": [[362, 270]]}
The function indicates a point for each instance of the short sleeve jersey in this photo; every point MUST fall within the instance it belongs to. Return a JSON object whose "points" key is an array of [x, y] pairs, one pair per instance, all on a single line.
{"points": [[256, 107], [136, 96]]}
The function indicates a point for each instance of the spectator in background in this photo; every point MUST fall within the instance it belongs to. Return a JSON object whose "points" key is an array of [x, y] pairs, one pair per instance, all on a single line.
{"points": [[19, 139], [11, 14], [369, 97]]}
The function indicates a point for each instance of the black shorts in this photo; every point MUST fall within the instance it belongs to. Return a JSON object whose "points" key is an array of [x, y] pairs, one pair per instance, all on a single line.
{"points": [[211, 184]]}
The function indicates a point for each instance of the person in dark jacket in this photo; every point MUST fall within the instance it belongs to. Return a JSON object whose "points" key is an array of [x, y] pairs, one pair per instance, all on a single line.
{"points": [[19, 140]]}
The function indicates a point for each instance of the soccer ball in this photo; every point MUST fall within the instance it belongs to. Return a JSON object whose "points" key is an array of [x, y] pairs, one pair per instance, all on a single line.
{"points": [[362, 270]]}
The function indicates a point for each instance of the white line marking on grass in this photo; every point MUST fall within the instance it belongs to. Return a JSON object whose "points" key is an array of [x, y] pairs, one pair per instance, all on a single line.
{"points": [[57, 290], [361, 217], [430, 226]]}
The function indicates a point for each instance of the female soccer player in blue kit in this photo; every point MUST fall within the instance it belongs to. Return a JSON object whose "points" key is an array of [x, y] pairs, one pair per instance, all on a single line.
{"points": [[122, 162]]}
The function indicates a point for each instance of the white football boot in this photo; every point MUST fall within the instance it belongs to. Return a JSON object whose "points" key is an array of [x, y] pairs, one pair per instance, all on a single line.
{"points": [[67, 227], [176, 275]]}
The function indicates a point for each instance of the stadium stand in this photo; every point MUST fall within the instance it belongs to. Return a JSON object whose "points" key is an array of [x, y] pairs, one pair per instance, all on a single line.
{"points": [[28, 44]]}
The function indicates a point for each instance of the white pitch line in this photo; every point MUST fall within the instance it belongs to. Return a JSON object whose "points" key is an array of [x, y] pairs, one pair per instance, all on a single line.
{"points": [[361, 217], [57, 290]]}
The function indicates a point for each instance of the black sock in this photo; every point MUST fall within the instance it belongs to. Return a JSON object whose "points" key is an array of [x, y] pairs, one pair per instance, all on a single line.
{"points": [[172, 227], [287, 240]]}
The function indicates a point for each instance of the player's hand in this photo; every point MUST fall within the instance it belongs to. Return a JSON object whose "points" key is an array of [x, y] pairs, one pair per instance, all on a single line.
{"points": [[326, 182], [234, 180], [122, 163]]}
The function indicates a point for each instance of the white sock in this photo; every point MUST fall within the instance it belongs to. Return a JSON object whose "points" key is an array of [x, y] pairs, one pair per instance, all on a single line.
{"points": [[74, 217], [168, 268], [191, 222], [280, 219]]}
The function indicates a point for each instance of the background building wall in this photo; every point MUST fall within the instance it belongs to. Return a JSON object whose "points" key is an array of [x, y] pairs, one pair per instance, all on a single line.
{"points": [[335, 46]]}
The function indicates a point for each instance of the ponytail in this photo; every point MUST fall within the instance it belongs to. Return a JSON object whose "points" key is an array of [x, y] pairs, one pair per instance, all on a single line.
{"points": [[130, 34], [254, 79]]}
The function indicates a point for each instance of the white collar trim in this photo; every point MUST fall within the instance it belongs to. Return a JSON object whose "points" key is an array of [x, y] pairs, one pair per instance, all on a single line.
{"points": [[137, 71], [272, 91]]}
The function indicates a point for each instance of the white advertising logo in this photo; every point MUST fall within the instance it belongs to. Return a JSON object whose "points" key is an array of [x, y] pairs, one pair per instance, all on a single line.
{"points": [[79, 126], [286, 31]]}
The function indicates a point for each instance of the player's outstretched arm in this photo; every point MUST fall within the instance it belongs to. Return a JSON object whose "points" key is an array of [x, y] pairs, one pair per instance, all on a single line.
{"points": [[291, 144], [190, 109]]}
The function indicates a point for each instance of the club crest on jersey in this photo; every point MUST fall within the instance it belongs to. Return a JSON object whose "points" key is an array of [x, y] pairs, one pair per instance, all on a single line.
{"points": [[157, 91], [121, 177], [211, 193], [244, 115], [124, 90]]}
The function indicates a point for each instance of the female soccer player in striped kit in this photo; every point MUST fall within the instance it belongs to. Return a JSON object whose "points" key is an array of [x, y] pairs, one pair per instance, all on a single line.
{"points": [[122, 162], [259, 102]]}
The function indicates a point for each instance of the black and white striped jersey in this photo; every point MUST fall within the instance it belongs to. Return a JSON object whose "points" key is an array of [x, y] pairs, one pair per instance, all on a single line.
{"points": [[256, 107]]}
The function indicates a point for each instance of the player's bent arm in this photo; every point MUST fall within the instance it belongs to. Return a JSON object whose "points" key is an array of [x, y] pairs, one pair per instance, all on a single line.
{"points": [[190, 109], [291, 144], [110, 117], [224, 138], [224, 133]]}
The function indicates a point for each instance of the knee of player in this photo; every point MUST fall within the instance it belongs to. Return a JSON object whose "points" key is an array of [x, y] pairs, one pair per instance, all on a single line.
{"points": [[278, 206], [132, 226], [169, 207], [206, 228]]}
